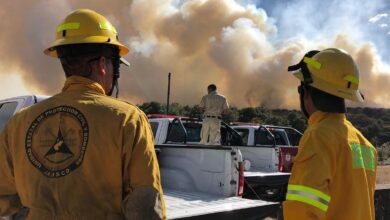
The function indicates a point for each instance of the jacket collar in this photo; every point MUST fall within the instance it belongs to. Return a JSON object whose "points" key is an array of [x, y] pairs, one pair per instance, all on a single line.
{"points": [[79, 83], [319, 116]]}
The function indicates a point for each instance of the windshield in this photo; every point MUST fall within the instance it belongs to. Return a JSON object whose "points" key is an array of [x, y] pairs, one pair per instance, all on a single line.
{"points": [[6, 111]]}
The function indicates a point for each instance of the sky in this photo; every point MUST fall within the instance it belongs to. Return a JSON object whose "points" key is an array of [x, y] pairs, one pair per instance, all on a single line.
{"points": [[242, 46]]}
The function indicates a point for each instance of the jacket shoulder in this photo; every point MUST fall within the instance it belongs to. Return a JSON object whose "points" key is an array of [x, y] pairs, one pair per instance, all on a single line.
{"points": [[357, 136], [120, 105], [324, 134], [329, 127]]}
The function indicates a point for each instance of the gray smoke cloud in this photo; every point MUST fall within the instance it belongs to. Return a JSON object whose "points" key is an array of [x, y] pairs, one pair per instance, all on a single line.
{"points": [[233, 44]]}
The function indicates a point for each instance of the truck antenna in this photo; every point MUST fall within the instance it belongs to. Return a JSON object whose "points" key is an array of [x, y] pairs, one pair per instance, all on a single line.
{"points": [[169, 91]]}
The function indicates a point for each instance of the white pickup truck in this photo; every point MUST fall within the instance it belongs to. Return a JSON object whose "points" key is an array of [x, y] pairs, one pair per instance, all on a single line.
{"points": [[266, 150], [269, 148], [198, 182]]}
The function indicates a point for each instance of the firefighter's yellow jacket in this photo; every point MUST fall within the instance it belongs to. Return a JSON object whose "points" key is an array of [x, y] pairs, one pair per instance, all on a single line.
{"points": [[333, 175], [80, 155]]}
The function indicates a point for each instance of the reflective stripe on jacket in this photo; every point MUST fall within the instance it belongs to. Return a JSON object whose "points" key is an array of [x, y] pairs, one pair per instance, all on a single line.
{"points": [[79, 155], [333, 175]]}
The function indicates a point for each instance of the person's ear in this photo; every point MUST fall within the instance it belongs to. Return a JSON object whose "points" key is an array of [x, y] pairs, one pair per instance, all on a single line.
{"points": [[102, 65]]}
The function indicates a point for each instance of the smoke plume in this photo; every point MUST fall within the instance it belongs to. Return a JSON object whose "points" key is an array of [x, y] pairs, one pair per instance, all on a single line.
{"points": [[233, 44]]}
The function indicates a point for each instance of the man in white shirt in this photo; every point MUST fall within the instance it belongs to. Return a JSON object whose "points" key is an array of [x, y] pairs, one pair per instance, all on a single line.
{"points": [[213, 106]]}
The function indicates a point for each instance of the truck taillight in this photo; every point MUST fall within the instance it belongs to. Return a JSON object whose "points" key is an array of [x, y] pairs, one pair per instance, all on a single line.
{"points": [[280, 164], [286, 156], [240, 178]]}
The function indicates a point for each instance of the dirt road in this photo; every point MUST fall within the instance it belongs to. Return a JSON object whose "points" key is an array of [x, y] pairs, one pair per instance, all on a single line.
{"points": [[383, 175]]}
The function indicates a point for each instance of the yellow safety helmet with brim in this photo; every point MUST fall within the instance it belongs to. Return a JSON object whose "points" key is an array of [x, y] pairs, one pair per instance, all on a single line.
{"points": [[332, 71], [86, 26]]}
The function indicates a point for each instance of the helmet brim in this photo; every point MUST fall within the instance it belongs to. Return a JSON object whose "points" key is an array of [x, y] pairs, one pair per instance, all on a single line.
{"points": [[354, 95], [124, 62], [51, 51]]}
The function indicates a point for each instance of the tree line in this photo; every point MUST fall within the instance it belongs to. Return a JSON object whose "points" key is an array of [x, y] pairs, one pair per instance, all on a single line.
{"points": [[374, 123]]}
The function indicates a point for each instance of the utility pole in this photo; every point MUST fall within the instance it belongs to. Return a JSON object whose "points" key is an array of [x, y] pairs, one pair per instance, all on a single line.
{"points": [[169, 91]]}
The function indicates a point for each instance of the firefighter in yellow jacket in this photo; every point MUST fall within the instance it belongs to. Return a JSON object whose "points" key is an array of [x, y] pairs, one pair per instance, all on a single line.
{"points": [[333, 175], [81, 154]]}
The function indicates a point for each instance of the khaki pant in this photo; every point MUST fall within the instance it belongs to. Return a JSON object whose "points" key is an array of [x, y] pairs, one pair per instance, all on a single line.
{"points": [[211, 131]]}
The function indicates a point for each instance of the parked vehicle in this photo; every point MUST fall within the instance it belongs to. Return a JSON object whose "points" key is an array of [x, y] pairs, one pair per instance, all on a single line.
{"points": [[269, 148]]}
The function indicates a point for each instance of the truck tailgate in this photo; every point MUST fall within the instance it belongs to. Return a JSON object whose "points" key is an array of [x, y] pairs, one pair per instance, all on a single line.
{"points": [[270, 178], [195, 205]]}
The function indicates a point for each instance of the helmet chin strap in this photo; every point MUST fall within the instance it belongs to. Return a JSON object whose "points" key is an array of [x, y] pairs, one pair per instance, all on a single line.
{"points": [[303, 109], [301, 99], [117, 89], [114, 86], [115, 77]]}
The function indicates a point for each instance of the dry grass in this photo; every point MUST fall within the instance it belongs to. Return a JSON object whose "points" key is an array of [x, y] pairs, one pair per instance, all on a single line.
{"points": [[383, 175]]}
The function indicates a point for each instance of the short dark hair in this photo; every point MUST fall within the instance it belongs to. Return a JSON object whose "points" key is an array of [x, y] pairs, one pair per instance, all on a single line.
{"points": [[212, 87], [326, 102], [76, 58]]}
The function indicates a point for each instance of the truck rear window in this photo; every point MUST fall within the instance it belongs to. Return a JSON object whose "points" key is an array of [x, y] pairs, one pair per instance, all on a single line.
{"points": [[244, 134], [6, 111], [262, 137], [193, 131], [177, 133], [154, 126]]}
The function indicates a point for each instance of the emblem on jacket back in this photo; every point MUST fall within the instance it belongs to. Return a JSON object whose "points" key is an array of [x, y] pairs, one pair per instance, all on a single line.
{"points": [[56, 141]]}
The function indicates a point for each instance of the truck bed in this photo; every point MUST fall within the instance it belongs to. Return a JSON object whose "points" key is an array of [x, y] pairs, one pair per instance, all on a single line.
{"points": [[196, 205]]}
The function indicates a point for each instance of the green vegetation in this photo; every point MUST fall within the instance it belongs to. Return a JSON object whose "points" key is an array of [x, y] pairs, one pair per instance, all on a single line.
{"points": [[374, 123]]}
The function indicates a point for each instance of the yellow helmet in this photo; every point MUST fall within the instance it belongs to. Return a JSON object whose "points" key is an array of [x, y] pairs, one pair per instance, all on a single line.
{"points": [[85, 26], [332, 71]]}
